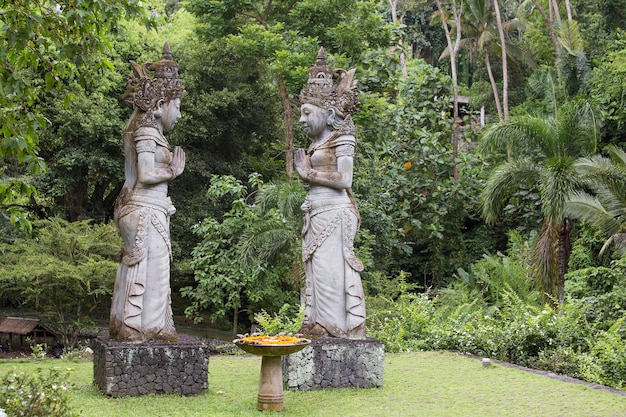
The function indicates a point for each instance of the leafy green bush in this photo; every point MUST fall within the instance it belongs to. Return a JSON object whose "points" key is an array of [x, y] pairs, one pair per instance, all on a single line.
{"points": [[493, 277], [403, 324], [559, 340], [246, 261], [65, 273], [605, 363], [287, 320], [36, 394], [602, 289]]}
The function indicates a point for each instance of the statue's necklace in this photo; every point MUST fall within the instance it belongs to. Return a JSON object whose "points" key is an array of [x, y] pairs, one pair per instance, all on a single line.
{"points": [[319, 144]]}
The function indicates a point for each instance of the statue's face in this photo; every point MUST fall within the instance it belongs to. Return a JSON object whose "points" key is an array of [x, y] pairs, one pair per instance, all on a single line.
{"points": [[170, 115], [313, 119]]}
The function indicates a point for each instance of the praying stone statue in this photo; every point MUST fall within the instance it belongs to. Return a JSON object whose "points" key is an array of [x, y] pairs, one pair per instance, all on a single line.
{"points": [[334, 299], [141, 306]]}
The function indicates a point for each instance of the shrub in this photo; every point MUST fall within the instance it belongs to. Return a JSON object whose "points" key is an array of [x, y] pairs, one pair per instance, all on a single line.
{"points": [[602, 289], [287, 320], [402, 325], [36, 394], [605, 363]]}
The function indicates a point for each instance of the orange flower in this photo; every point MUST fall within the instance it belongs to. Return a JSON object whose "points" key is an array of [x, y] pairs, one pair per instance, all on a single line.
{"points": [[270, 340], [408, 165]]}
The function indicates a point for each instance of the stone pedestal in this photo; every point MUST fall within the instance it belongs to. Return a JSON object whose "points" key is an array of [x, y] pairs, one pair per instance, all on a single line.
{"points": [[335, 363], [270, 397], [127, 369]]}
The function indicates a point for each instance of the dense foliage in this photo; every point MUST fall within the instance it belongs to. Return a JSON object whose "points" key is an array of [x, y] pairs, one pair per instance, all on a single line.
{"points": [[469, 224], [247, 261], [582, 338], [65, 274], [45, 45]]}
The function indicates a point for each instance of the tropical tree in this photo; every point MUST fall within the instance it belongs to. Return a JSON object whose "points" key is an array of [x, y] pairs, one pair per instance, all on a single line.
{"points": [[484, 33], [414, 217], [607, 87], [604, 204], [544, 150], [45, 44], [244, 261], [505, 72], [284, 37], [450, 18], [65, 273]]}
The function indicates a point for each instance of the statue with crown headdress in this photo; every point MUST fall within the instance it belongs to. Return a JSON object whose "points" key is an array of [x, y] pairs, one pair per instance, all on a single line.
{"points": [[141, 305], [333, 296]]}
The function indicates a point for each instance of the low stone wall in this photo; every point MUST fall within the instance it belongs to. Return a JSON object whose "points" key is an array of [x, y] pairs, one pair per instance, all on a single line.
{"points": [[127, 369], [335, 363]]}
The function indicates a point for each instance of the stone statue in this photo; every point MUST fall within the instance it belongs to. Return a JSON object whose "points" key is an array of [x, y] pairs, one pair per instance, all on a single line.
{"points": [[141, 306], [334, 299]]}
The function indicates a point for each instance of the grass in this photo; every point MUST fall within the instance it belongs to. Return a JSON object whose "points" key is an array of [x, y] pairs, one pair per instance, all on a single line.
{"points": [[416, 384]]}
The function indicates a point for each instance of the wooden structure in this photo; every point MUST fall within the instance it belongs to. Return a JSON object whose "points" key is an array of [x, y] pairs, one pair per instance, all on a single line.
{"points": [[14, 326]]}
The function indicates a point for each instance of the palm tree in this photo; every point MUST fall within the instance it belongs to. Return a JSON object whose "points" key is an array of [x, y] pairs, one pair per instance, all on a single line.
{"points": [[269, 240], [543, 150], [604, 204], [481, 30], [455, 14]]}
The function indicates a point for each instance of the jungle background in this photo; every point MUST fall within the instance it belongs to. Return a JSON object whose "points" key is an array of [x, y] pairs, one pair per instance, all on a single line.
{"points": [[489, 173]]}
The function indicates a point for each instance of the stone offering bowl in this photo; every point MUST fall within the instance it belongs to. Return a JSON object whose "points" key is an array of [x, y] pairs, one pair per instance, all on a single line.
{"points": [[271, 348]]}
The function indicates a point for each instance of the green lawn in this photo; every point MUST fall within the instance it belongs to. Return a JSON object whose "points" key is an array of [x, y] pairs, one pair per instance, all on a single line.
{"points": [[416, 384]]}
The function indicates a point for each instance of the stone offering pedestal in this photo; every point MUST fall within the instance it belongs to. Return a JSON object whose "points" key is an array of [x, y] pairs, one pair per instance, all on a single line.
{"points": [[335, 363], [271, 397], [132, 369]]}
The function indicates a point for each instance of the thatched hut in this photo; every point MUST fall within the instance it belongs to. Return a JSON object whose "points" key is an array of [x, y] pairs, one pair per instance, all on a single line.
{"points": [[23, 327]]}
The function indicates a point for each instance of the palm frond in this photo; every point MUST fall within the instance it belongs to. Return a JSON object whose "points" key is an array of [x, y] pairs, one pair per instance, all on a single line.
{"points": [[618, 240], [618, 156], [287, 197], [542, 83], [558, 181], [265, 242], [503, 182], [569, 37], [578, 128], [588, 208], [524, 135], [607, 181]]}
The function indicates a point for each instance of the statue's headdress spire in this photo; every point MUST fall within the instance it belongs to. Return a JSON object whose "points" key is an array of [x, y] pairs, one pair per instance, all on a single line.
{"points": [[322, 91], [144, 90]]}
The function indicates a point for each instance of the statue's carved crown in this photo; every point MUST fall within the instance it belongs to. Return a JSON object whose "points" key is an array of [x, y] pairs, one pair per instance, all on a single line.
{"points": [[144, 90], [321, 90]]}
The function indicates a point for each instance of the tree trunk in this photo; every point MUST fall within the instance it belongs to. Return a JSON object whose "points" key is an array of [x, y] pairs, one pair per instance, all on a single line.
{"points": [[568, 7], [554, 4], [288, 114], [394, 18], [505, 75], [235, 319], [550, 24], [453, 48], [564, 250], [494, 86]]}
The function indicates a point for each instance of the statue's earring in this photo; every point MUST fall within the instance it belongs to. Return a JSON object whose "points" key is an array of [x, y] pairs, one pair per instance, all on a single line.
{"points": [[332, 115], [158, 111]]}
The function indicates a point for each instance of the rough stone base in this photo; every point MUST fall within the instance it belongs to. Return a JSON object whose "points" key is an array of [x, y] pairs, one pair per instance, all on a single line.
{"points": [[134, 369], [335, 363]]}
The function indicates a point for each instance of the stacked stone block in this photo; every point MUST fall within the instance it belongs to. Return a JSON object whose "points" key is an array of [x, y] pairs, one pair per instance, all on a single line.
{"points": [[126, 369], [335, 363]]}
